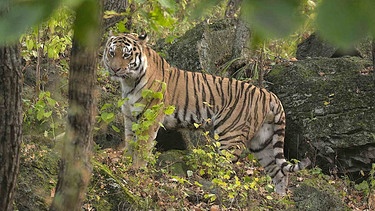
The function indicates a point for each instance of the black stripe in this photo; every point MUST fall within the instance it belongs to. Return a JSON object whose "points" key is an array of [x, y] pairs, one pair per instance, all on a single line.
{"points": [[279, 155], [186, 94], [279, 144], [280, 132], [272, 162]]}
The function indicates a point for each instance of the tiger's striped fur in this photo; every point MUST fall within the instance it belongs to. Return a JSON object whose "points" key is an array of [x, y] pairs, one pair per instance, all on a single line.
{"points": [[243, 115]]}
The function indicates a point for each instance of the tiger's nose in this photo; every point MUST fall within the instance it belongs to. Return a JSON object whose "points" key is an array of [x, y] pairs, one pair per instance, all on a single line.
{"points": [[115, 70]]}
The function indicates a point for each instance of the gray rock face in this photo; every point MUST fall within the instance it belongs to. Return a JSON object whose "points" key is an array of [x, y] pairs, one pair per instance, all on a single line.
{"points": [[209, 47], [330, 106]]}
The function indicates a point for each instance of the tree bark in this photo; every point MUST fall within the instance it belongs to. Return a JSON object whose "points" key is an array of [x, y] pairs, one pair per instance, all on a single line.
{"points": [[373, 59], [118, 6], [75, 166], [10, 122]]}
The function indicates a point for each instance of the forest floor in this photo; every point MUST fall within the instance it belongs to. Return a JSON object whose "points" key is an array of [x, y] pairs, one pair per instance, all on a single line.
{"points": [[210, 182]]}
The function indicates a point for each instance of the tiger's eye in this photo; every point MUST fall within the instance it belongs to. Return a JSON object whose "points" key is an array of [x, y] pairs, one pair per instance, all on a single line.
{"points": [[111, 52]]}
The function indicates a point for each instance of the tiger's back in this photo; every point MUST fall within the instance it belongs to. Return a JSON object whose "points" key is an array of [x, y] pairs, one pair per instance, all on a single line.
{"points": [[242, 115]]}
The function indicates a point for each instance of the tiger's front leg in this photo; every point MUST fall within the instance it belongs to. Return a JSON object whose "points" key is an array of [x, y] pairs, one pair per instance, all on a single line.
{"points": [[129, 134]]}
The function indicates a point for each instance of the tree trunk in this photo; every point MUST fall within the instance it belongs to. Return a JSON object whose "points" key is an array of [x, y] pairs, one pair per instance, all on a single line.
{"points": [[373, 59], [10, 122], [75, 166], [118, 6]]}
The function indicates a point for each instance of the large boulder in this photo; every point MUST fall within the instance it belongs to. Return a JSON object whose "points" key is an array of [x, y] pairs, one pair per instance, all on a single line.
{"points": [[330, 107], [209, 47]]}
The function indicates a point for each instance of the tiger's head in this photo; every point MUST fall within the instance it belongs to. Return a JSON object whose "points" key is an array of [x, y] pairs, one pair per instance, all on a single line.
{"points": [[123, 58]]}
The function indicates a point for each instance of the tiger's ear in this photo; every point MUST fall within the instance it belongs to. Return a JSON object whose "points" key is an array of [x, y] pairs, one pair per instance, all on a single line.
{"points": [[110, 33], [142, 39]]}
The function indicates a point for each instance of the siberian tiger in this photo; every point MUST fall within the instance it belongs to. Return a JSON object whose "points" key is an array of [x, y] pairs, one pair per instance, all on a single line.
{"points": [[242, 115]]}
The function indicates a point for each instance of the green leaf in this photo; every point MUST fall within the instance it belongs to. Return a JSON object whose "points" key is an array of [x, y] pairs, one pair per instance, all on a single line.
{"points": [[169, 110], [115, 129], [146, 93], [135, 126], [344, 22], [47, 114], [86, 25], [106, 106], [51, 102], [40, 114], [107, 117], [169, 4], [22, 15], [29, 44], [141, 105], [203, 7], [121, 102], [158, 95], [271, 18]]}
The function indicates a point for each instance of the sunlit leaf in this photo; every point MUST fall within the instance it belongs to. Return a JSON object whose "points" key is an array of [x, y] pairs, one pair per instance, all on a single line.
{"points": [[169, 110], [161, 125], [196, 125], [158, 95]]}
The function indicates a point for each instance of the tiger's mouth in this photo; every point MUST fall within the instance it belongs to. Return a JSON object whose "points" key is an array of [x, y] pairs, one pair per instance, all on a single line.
{"points": [[119, 73]]}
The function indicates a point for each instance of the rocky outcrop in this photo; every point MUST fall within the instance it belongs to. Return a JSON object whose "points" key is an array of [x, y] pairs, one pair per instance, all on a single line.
{"points": [[314, 46], [214, 48], [330, 106]]}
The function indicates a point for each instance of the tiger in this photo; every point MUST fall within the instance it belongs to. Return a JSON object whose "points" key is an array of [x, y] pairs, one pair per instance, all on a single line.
{"points": [[244, 116]]}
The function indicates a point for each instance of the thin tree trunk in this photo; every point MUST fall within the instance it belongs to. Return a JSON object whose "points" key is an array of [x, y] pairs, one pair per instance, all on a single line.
{"points": [[373, 59], [75, 166], [10, 122], [118, 6]]}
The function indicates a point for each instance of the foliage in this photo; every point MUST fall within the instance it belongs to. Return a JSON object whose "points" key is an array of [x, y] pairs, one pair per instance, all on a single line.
{"points": [[51, 39], [44, 113], [367, 186], [230, 183], [150, 112], [23, 14], [163, 18], [108, 112]]}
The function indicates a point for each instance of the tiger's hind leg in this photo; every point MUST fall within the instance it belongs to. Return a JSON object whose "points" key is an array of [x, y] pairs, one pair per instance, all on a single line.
{"points": [[261, 145], [268, 147]]}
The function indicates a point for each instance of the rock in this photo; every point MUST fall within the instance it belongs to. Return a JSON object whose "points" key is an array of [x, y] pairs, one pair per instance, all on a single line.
{"points": [[314, 46], [209, 47], [173, 161], [310, 198], [330, 107]]}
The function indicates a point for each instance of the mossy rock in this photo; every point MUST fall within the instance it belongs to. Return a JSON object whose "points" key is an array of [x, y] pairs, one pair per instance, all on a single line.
{"points": [[309, 198], [329, 103], [173, 161]]}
